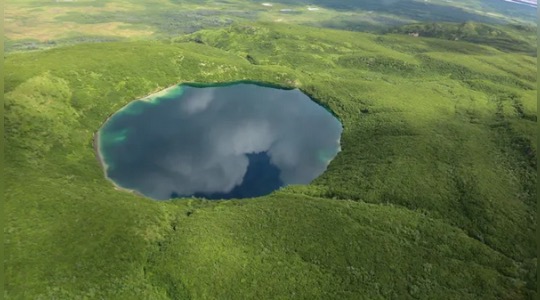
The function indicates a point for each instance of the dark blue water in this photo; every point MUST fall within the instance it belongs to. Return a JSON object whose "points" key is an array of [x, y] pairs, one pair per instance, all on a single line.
{"points": [[239, 140]]}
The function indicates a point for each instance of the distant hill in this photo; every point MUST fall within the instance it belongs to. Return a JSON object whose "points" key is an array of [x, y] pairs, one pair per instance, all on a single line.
{"points": [[509, 38], [37, 25]]}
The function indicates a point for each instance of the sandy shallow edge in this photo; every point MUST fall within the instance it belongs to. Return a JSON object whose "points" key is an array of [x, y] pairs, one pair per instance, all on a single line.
{"points": [[150, 97], [105, 167]]}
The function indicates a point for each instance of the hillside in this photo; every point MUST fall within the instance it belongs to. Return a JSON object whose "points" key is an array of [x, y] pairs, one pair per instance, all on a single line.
{"points": [[510, 38], [36, 24], [433, 195]]}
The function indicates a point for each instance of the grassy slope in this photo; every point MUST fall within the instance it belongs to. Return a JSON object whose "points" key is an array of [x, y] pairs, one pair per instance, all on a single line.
{"points": [[432, 196]]}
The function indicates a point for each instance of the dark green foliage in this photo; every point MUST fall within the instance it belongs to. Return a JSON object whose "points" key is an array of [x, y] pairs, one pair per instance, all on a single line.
{"points": [[432, 196], [376, 64]]}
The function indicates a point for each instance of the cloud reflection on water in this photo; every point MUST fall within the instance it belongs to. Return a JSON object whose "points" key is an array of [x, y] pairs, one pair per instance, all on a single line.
{"points": [[197, 144]]}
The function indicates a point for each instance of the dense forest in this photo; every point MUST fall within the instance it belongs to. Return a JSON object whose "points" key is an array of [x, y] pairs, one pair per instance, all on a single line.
{"points": [[433, 195]]}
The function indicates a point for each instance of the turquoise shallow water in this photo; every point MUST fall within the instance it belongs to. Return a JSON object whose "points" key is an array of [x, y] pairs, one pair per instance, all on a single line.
{"points": [[220, 141]]}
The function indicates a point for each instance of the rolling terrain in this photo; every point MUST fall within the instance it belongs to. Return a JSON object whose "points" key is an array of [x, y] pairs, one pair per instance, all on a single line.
{"points": [[433, 195], [38, 24]]}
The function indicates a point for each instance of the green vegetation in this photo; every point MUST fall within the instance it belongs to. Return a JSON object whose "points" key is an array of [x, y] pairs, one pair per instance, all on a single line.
{"points": [[432, 197]]}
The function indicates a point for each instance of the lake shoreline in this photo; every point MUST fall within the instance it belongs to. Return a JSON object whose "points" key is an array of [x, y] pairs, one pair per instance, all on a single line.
{"points": [[104, 166], [113, 135], [96, 137]]}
